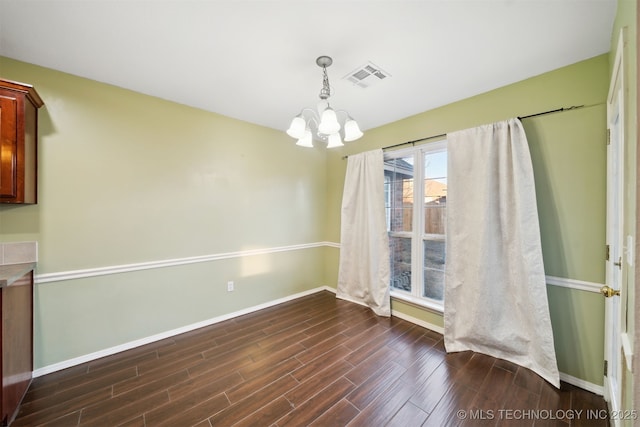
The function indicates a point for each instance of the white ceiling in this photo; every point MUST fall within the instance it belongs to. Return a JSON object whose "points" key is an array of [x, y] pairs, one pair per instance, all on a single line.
{"points": [[255, 60]]}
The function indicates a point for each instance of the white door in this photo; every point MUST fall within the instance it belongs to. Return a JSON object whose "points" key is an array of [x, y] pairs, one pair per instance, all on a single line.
{"points": [[615, 255]]}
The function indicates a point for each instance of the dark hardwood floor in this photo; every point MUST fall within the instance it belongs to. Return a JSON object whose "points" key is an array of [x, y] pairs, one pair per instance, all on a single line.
{"points": [[313, 361]]}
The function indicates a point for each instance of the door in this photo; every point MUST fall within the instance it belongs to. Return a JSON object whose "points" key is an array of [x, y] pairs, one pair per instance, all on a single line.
{"points": [[615, 257], [8, 145]]}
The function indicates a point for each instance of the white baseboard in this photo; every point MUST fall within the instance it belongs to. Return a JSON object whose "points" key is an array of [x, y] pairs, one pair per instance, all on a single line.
{"points": [[586, 385], [168, 334]]}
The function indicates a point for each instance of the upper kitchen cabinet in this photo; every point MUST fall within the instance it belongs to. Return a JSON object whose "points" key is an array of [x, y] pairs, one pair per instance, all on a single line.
{"points": [[19, 105]]}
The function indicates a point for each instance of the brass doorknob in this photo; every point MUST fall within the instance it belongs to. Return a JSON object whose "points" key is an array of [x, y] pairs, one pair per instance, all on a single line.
{"points": [[609, 292]]}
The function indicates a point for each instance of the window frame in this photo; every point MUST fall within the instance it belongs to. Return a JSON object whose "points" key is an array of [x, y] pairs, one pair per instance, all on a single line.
{"points": [[417, 235]]}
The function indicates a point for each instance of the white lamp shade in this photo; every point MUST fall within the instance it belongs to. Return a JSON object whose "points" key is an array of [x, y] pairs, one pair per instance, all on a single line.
{"points": [[328, 122], [297, 127], [306, 140], [351, 130], [334, 141]]}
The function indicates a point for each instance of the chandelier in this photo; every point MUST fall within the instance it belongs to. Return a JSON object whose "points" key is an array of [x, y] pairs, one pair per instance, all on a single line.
{"points": [[322, 123]]}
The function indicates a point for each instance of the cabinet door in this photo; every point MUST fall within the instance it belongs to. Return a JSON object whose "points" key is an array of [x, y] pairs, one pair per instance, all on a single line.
{"points": [[8, 146], [17, 343]]}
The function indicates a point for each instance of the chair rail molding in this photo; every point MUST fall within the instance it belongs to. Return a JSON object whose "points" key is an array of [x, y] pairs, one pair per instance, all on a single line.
{"points": [[126, 268]]}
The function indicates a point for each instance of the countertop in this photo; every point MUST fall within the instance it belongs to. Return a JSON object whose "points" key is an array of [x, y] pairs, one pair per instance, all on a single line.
{"points": [[12, 272]]}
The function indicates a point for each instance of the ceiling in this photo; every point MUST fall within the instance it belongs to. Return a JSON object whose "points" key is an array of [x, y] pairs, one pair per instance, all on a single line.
{"points": [[255, 60]]}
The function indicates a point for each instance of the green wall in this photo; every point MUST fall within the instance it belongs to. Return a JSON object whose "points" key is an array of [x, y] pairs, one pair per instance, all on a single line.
{"points": [[126, 178], [569, 160]]}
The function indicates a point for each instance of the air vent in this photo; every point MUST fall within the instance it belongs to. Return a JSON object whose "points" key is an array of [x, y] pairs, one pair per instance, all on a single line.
{"points": [[366, 75]]}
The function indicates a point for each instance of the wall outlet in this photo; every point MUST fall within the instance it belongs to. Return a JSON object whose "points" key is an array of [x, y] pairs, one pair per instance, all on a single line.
{"points": [[229, 286]]}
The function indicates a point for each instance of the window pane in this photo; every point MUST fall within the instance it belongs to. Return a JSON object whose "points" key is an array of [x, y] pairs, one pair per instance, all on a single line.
{"points": [[399, 193], [434, 255], [434, 258], [434, 284], [435, 215], [400, 251], [435, 192]]}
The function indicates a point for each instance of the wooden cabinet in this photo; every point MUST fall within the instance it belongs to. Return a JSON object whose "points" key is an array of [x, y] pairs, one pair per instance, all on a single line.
{"points": [[19, 105], [16, 343]]}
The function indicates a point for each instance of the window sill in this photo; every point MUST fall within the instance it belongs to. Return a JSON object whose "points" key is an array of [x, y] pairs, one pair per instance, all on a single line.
{"points": [[418, 302]]}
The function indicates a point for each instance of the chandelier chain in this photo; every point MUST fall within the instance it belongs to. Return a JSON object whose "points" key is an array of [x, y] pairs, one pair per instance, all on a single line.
{"points": [[325, 92]]}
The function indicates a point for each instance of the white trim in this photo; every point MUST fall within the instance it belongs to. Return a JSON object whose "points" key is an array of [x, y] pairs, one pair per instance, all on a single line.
{"points": [[167, 334], [614, 322], [585, 385], [347, 298], [580, 285], [627, 350], [126, 268]]}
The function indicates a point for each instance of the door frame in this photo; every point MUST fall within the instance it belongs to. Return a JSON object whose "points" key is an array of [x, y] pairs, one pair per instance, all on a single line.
{"points": [[614, 308]]}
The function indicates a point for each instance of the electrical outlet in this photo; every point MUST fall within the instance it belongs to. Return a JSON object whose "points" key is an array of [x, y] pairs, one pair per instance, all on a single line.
{"points": [[229, 286]]}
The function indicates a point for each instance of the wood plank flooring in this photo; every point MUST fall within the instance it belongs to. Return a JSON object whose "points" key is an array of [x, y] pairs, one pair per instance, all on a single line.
{"points": [[314, 361]]}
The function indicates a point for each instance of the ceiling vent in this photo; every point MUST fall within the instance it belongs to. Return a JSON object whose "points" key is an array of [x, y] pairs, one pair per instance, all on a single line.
{"points": [[367, 75]]}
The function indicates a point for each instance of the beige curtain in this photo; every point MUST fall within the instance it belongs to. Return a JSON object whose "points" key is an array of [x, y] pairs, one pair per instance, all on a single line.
{"points": [[364, 271], [495, 291]]}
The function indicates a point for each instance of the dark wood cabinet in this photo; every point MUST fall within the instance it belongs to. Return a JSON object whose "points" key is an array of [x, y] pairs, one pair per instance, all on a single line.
{"points": [[19, 105], [16, 341]]}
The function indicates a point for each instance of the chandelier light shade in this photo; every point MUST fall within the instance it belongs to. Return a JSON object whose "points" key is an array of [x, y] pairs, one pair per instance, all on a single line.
{"points": [[328, 122], [323, 123], [334, 140], [306, 140], [351, 130], [298, 127]]}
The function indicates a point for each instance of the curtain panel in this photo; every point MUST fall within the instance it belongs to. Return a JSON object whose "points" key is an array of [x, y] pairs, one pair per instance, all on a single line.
{"points": [[364, 269], [495, 289]]}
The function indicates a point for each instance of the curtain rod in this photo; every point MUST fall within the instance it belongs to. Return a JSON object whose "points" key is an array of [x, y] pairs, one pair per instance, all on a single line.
{"points": [[557, 110]]}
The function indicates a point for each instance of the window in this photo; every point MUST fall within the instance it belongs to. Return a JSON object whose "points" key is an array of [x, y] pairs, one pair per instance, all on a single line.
{"points": [[416, 217]]}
